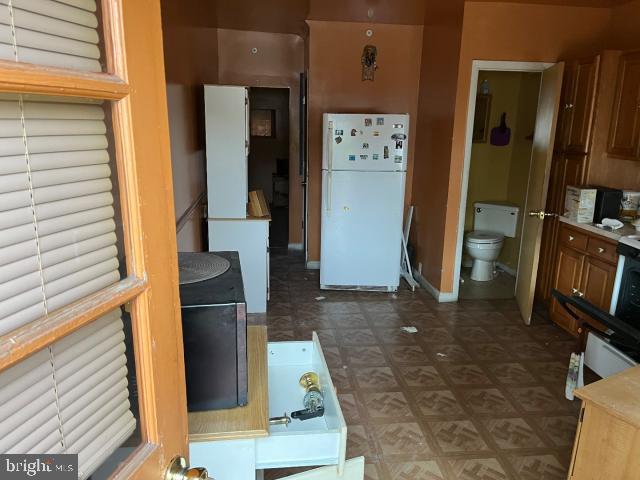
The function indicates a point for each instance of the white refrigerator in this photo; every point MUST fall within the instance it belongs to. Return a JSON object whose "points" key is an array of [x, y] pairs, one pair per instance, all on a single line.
{"points": [[364, 165]]}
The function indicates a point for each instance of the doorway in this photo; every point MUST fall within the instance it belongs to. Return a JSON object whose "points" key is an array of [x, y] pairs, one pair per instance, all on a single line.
{"points": [[498, 177], [542, 137], [269, 157]]}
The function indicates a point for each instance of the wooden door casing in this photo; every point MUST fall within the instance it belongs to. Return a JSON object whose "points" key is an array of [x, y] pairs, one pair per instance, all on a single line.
{"points": [[624, 131]]}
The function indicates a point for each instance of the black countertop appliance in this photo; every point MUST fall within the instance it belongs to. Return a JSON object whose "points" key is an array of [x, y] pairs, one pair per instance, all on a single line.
{"points": [[214, 329], [608, 201]]}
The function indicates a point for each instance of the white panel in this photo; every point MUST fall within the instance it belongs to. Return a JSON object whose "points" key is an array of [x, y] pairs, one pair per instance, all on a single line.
{"points": [[226, 156], [361, 228], [250, 238], [239, 458]]}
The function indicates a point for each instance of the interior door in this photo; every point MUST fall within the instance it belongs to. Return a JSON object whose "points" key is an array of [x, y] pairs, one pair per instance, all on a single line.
{"points": [[542, 153], [130, 83]]}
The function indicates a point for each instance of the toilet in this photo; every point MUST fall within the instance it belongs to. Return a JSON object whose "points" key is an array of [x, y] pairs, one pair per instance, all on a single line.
{"points": [[492, 222]]}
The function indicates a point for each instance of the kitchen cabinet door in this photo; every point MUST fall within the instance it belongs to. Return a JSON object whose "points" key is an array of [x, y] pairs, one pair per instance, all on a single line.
{"points": [[567, 278], [624, 131], [564, 112], [597, 282], [581, 105]]}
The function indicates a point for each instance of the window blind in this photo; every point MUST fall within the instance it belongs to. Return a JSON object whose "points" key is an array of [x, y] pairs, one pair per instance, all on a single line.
{"points": [[59, 33], [58, 243], [70, 398]]}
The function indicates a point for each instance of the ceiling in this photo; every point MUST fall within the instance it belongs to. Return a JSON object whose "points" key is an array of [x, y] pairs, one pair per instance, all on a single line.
{"points": [[289, 16]]}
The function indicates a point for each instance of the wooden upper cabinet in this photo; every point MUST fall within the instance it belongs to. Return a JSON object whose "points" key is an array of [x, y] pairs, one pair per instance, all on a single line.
{"points": [[585, 79], [624, 132], [575, 121]]}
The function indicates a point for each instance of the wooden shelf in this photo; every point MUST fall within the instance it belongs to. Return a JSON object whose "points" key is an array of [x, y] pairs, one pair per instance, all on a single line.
{"points": [[250, 421]]}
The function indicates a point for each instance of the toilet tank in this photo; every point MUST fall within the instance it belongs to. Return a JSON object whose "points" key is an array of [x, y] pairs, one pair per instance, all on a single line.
{"points": [[494, 217]]}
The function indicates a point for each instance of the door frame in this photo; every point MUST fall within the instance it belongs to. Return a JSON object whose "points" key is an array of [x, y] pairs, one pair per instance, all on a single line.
{"points": [[476, 67]]}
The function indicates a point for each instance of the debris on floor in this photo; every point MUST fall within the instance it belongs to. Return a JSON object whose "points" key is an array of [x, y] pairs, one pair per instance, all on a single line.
{"points": [[409, 329], [320, 298]]}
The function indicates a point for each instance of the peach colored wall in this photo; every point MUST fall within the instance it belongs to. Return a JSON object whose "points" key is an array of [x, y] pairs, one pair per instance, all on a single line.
{"points": [[188, 38], [335, 85], [503, 31], [439, 71], [278, 63]]}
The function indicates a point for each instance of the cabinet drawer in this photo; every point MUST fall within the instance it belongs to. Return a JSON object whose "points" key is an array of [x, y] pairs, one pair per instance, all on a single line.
{"points": [[573, 238], [602, 249], [318, 441]]}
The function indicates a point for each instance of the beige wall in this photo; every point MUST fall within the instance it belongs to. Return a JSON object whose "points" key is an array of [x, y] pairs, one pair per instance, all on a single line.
{"points": [[335, 85], [188, 39], [500, 31], [278, 63], [500, 174]]}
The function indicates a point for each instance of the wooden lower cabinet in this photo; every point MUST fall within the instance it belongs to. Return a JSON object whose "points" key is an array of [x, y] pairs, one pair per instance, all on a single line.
{"points": [[608, 436], [567, 279], [565, 170], [579, 271]]}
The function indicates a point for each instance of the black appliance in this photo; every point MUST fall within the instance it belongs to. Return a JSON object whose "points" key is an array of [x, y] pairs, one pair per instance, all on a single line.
{"points": [[627, 302], [623, 327], [608, 201], [214, 329]]}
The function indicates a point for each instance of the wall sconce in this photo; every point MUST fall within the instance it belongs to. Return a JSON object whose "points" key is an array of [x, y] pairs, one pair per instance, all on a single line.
{"points": [[368, 61]]}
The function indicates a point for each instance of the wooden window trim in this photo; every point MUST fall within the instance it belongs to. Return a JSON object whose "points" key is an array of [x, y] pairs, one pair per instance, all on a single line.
{"points": [[24, 78], [48, 329]]}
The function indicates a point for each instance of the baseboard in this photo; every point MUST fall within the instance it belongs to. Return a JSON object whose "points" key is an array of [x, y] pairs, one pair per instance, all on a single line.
{"points": [[446, 297], [313, 265], [296, 246], [506, 269]]}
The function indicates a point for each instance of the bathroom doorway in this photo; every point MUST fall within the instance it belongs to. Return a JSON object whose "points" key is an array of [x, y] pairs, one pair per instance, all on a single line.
{"points": [[491, 125], [502, 140]]}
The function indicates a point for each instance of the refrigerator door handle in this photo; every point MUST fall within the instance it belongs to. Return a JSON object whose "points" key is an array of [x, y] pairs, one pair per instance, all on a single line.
{"points": [[330, 145]]}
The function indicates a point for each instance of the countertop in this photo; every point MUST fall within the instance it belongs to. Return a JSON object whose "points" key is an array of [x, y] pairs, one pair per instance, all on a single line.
{"points": [[250, 421], [618, 394], [628, 229]]}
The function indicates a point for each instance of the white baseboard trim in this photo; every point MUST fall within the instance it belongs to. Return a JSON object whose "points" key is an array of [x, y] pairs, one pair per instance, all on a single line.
{"points": [[506, 269], [313, 265], [441, 297], [296, 246]]}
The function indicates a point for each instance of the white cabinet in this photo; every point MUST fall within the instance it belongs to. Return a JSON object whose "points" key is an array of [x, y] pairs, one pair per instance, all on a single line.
{"points": [[227, 142], [250, 238], [319, 441]]}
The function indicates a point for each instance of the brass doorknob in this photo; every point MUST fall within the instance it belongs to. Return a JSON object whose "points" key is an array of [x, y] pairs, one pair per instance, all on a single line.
{"points": [[540, 214], [179, 470]]}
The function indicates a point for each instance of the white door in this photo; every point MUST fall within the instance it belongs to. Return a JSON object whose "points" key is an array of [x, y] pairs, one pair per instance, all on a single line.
{"points": [[546, 119], [361, 228]]}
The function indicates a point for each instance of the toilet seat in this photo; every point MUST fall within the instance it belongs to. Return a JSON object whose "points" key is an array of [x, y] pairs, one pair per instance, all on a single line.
{"points": [[481, 237]]}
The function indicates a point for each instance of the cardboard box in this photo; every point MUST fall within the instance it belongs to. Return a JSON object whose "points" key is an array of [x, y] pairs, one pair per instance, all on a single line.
{"points": [[580, 204]]}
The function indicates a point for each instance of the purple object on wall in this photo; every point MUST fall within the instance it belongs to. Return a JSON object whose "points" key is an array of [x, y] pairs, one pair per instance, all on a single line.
{"points": [[501, 135]]}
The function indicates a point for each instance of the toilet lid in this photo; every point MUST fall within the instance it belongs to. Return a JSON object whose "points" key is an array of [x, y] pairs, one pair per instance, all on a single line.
{"points": [[480, 236]]}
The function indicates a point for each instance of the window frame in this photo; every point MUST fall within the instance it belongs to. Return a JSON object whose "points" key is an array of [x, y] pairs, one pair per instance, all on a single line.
{"points": [[133, 291]]}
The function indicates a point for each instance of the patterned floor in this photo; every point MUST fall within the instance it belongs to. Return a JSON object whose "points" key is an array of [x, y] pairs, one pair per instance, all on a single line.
{"points": [[474, 395]]}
